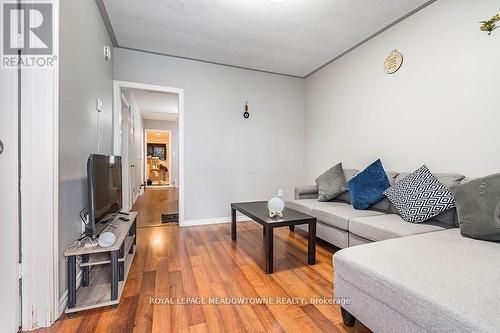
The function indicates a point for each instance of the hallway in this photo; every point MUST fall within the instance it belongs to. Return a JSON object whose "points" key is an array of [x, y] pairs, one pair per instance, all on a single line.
{"points": [[153, 203]]}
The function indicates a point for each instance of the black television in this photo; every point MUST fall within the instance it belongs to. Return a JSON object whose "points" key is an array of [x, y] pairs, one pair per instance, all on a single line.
{"points": [[104, 178]]}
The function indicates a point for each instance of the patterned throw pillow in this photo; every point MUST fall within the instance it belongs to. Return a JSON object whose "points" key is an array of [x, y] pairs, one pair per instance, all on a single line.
{"points": [[420, 196]]}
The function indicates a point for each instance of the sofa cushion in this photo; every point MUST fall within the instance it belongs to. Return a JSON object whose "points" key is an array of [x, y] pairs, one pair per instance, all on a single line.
{"points": [[384, 205], [449, 179], [306, 192], [449, 216], [346, 197], [368, 186], [478, 205], [338, 214], [440, 294], [331, 183], [420, 196], [302, 205], [378, 228]]}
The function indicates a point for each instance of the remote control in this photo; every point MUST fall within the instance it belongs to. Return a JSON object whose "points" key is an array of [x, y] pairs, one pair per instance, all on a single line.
{"points": [[123, 213], [124, 218]]}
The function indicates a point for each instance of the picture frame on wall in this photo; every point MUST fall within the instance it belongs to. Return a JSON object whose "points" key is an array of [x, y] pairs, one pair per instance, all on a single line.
{"points": [[158, 150]]}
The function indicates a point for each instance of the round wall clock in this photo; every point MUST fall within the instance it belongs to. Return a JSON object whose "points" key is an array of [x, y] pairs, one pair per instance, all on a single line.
{"points": [[393, 62]]}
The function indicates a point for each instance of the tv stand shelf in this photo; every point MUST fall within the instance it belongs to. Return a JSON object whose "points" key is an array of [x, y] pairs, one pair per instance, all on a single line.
{"points": [[105, 257], [104, 270]]}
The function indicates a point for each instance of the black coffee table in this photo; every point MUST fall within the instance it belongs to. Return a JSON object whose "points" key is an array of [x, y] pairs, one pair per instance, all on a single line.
{"points": [[258, 212]]}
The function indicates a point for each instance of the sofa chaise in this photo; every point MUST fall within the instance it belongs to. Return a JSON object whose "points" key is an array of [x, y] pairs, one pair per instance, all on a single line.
{"points": [[434, 282]]}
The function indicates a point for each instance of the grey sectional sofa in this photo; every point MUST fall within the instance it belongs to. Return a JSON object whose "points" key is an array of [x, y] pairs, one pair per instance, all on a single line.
{"points": [[421, 277], [343, 226]]}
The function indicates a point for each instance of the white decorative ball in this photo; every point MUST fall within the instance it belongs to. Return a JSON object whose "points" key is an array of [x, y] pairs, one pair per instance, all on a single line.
{"points": [[275, 206], [107, 239]]}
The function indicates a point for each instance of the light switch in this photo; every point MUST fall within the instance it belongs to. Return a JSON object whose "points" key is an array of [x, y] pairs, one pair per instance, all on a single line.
{"points": [[107, 53], [99, 105]]}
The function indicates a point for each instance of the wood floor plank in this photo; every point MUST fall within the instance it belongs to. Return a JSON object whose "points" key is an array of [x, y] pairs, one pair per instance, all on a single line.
{"points": [[123, 319], [179, 315], [144, 315], [196, 315], [161, 311], [89, 322], [104, 320], [319, 319], [212, 314], [230, 317]]}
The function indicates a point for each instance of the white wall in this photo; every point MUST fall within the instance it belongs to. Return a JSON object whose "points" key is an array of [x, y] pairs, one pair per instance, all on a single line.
{"points": [[441, 108], [84, 76], [228, 158], [173, 127]]}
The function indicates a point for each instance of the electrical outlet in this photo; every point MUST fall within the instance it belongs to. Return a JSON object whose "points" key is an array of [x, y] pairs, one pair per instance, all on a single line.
{"points": [[280, 192]]}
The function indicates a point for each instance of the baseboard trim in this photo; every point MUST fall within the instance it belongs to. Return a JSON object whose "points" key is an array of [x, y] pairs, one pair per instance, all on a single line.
{"points": [[215, 220], [63, 301]]}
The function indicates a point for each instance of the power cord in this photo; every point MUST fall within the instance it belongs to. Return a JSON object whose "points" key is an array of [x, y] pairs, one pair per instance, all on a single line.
{"points": [[99, 138], [82, 217], [79, 242]]}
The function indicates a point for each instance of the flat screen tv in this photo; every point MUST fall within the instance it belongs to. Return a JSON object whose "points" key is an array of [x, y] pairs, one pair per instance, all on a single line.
{"points": [[104, 177]]}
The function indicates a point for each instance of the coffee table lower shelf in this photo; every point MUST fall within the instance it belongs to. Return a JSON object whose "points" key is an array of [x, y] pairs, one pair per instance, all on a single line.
{"points": [[98, 293]]}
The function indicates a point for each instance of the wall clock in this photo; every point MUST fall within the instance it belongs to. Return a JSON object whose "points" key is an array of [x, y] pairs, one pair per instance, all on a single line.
{"points": [[393, 62]]}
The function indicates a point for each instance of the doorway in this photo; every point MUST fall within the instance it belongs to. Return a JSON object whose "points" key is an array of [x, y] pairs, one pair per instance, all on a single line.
{"points": [[158, 151], [144, 109]]}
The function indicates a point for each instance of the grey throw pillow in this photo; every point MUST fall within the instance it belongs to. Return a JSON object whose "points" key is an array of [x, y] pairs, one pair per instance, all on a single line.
{"points": [[478, 207], [346, 197], [331, 183]]}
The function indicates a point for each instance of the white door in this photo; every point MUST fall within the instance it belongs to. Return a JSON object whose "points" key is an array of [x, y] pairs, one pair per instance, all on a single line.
{"points": [[9, 213], [125, 157], [128, 161], [132, 157]]}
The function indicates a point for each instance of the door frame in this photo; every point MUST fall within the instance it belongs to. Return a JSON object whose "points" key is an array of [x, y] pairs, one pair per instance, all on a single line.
{"points": [[169, 152], [117, 125], [10, 317], [39, 188]]}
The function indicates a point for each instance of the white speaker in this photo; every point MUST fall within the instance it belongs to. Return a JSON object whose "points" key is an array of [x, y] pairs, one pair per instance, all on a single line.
{"points": [[106, 239]]}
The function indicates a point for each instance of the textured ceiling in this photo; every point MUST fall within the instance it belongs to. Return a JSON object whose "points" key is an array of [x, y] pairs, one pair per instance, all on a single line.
{"points": [[293, 37], [157, 106]]}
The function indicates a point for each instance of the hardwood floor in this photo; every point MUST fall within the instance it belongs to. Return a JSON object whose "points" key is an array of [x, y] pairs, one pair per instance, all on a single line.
{"points": [[175, 263], [153, 203]]}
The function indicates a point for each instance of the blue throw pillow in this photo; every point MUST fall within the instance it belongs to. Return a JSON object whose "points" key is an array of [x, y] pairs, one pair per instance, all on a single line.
{"points": [[368, 186]]}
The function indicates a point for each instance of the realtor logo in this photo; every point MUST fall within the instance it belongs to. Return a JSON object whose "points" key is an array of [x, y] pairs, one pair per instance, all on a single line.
{"points": [[27, 27]]}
